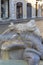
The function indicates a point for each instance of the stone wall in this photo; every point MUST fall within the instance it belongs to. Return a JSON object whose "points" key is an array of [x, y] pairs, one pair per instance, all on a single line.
{"points": [[13, 8]]}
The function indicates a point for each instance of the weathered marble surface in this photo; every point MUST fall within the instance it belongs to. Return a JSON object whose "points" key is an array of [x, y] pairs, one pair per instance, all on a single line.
{"points": [[30, 36]]}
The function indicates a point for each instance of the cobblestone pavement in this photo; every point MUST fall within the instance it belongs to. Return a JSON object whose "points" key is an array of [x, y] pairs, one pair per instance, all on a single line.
{"points": [[40, 26], [41, 63]]}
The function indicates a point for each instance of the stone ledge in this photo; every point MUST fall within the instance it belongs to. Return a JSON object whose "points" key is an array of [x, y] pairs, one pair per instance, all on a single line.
{"points": [[7, 21]]}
